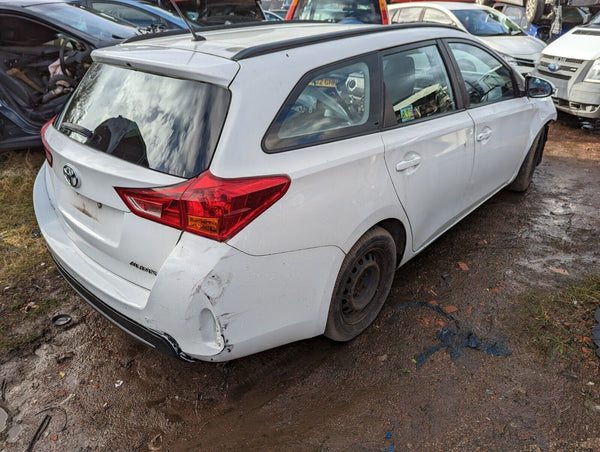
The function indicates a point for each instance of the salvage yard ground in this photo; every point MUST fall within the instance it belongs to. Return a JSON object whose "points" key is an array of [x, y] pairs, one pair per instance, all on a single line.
{"points": [[483, 344]]}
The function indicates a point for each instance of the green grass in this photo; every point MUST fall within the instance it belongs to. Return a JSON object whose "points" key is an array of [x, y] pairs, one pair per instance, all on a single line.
{"points": [[27, 273], [561, 323], [20, 251]]}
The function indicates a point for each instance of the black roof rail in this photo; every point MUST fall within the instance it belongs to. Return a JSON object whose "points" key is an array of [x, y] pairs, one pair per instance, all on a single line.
{"points": [[263, 49]]}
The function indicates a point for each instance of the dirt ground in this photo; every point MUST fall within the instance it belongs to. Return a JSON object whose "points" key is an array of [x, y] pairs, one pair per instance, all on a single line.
{"points": [[95, 388]]}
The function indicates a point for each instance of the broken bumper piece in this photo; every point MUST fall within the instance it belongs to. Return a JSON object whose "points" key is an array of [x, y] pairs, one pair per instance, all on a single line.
{"points": [[155, 339]]}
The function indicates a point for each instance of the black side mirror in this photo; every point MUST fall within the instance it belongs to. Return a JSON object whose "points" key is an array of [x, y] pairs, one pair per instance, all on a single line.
{"points": [[538, 87]]}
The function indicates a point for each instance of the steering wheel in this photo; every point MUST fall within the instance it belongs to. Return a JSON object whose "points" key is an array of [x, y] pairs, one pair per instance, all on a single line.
{"points": [[64, 55], [330, 103]]}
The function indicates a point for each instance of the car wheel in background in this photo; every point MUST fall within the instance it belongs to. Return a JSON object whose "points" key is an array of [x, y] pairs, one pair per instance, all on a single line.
{"points": [[534, 9], [362, 285]]}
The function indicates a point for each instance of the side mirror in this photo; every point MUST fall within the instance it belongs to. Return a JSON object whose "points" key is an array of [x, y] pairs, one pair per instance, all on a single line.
{"points": [[538, 87]]}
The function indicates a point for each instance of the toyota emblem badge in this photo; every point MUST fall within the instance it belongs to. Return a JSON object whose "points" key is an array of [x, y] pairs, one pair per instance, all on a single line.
{"points": [[71, 176]]}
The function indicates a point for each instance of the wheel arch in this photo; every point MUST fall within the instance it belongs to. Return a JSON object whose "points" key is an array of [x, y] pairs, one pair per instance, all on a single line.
{"points": [[398, 233]]}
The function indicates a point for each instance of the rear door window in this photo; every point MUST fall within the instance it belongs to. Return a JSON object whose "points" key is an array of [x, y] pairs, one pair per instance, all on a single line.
{"points": [[162, 123], [406, 15], [436, 16], [417, 85]]}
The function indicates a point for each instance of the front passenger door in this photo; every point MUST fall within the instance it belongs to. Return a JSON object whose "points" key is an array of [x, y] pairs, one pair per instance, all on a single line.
{"points": [[501, 119]]}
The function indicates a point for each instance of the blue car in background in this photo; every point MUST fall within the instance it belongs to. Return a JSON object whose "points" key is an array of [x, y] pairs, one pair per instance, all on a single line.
{"points": [[571, 17], [141, 14]]}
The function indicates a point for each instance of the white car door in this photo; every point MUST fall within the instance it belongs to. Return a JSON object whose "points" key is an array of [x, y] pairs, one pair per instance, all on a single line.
{"points": [[429, 144], [502, 119]]}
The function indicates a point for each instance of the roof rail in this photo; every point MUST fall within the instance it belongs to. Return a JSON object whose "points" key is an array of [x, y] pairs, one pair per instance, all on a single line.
{"points": [[272, 47], [263, 49]]}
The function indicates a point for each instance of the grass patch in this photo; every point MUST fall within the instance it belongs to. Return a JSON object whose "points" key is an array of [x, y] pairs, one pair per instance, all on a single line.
{"points": [[29, 287], [21, 252], [561, 323]]}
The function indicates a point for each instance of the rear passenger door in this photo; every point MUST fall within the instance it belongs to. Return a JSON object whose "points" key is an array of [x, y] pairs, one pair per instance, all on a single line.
{"points": [[501, 117], [428, 139]]}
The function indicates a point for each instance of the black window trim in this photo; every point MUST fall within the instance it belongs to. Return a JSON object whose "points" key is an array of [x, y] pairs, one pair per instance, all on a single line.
{"points": [[458, 91], [371, 125], [518, 88]]}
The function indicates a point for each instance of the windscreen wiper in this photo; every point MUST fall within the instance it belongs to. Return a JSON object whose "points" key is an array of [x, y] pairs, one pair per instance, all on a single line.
{"points": [[77, 129]]}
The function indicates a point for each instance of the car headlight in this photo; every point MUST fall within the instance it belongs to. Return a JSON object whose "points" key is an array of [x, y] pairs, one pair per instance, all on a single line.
{"points": [[510, 60], [593, 74]]}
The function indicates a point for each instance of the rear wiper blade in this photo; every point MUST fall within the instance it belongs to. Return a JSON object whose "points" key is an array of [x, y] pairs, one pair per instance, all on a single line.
{"points": [[77, 129], [93, 139]]}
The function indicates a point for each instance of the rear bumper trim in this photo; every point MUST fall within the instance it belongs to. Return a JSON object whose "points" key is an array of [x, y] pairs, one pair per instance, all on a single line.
{"points": [[162, 342]]}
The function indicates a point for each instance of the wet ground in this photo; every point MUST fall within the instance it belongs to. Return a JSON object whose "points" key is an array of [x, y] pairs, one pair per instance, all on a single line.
{"points": [[94, 388]]}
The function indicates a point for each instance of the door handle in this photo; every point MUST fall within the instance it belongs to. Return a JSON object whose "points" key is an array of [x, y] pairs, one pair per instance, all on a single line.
{"points": [[415, 160], [484, 135]]}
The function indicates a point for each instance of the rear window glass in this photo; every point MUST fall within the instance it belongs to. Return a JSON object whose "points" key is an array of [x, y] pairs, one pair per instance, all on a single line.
{"points": [[162, 123], [350, 11]]}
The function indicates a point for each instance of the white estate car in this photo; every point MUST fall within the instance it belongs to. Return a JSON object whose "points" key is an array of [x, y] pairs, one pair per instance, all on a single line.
{"points": [[572, 64], [489, 25], [260, 185]]}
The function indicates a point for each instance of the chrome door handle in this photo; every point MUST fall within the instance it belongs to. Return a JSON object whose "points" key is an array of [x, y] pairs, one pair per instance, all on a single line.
{"points": [[415, 160]]}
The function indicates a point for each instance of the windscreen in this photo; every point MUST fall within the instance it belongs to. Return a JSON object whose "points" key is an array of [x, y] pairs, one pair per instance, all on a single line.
{"points": [[102, 27], [162, 123], [487, 22]]}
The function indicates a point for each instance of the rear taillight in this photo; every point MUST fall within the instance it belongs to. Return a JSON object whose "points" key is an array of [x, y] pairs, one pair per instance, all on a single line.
{"points": [[207, 205], [384, 12], [45, 143]]}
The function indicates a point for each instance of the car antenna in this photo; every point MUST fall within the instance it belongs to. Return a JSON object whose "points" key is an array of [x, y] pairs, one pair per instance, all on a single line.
{"points": [[195, 37]]}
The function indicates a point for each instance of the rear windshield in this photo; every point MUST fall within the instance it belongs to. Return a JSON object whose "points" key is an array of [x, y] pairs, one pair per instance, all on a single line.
{"points": [[347, 11], [162, 123]]}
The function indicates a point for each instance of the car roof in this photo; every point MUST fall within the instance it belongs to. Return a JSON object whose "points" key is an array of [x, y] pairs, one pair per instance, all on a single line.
{"points": [[217, 57], [244, 41]]}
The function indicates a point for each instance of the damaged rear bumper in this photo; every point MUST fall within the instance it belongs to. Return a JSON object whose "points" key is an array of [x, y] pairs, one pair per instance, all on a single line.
{"points": [[162, 342]]}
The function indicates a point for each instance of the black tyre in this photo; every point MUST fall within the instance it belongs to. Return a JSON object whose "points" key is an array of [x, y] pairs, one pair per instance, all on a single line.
{"points": [[534, 10], [532, 159], [362, 285]]}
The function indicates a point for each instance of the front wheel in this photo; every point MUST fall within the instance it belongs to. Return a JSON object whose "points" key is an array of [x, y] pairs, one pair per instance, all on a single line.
{"points": [[362, 285], [532, 159]]}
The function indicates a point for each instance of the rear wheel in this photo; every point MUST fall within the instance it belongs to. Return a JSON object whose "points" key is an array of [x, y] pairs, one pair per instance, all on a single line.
{"points": [[362, 285]]}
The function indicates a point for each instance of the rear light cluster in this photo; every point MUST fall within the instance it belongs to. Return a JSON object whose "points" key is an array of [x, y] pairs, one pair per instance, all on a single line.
{"points": [[207, 205], [45, 143]]}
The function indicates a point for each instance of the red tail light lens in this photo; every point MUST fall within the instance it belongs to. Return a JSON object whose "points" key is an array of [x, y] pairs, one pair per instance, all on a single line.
{"points": [[207, 205], [45, 143]]}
